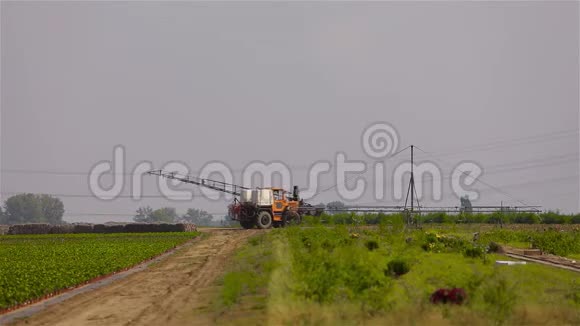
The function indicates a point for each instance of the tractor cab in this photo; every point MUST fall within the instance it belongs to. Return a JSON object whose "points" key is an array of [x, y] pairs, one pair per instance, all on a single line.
{"points": [[280, 203], [283, 201]]}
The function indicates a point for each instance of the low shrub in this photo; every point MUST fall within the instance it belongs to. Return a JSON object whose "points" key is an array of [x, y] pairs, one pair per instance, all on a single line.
{"points": [[474, 252], [235, 284], [552, 218], [439, 217], [574, 293], [499, 298], [551, 241], [556, 242], [442, 243], [372, 245], [493, 247], [525, 218], [397, 267]]}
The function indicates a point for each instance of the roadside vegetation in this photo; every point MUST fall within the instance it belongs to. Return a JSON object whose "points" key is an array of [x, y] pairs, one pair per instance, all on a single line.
{"points": [[444, 218], [34, 266], [556, 242], [350, 274]]}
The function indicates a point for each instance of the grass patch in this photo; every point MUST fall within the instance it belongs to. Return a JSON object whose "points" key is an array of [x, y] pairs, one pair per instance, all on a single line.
{"points": [[557, 242], [350, 275], [249, 272]]}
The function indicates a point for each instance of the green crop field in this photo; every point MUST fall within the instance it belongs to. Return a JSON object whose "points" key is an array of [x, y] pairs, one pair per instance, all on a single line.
{"points": [[33, 266], [345, 274]]}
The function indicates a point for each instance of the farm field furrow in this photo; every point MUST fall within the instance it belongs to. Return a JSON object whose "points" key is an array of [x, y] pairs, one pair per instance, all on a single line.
{"points": [[335, 274], [34, 266], [174, 291]]}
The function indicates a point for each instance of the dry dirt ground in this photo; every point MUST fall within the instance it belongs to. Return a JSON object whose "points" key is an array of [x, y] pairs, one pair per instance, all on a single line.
{"points": [[174, 291]]}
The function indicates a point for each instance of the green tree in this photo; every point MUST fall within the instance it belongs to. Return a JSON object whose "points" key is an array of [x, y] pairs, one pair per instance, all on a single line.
{"points": [[52, 209], [148, 215], [23, 208], [2, 216], [143, 214], [31, 208], [198, 217], [552, 218], [164, 214]]}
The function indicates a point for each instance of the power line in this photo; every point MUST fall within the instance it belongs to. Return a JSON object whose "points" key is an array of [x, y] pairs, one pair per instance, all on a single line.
{"points": [[542, 162], [121, 214], [479, 180], [481, 147], [95, 197], [541, 159], [520, 168], [546, 137], [357, 175], [123, 174], [544, 181], [532, 166]]}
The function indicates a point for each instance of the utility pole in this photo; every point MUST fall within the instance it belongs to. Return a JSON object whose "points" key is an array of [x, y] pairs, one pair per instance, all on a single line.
{"points": [[411, 190], [412, 179]]}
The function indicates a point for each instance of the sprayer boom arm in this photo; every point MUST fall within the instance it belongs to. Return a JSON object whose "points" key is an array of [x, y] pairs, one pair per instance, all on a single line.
{"points": [[207, 183]]}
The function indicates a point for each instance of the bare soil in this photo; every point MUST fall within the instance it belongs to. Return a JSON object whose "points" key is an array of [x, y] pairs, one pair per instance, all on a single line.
{"points": [[175, 291]]}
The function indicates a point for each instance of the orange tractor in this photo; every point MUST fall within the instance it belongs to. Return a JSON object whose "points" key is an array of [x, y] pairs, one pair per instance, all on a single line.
{"points": [[261, 207]]}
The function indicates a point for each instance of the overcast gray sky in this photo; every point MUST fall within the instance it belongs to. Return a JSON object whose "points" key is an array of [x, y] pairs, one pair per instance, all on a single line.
{"points": [[295, 82]]}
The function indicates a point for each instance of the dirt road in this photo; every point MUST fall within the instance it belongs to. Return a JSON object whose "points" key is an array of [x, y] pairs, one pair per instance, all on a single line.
{"points": [[168, 293]]}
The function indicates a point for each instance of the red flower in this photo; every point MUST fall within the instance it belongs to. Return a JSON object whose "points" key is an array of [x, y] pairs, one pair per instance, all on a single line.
{"points": [[455, 296]]}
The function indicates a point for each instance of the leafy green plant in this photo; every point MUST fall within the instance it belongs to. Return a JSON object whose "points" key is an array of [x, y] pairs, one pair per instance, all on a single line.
{"points": [[330, 272], [499, 298], [474, 252], [32, 266], [493, 247], [235, 284], [330, 264], [372, 245], [551, 241], [254, 241], [574, 293], [552, 218], [525, 218], [397, 267], [557, 243], [442, 243]]}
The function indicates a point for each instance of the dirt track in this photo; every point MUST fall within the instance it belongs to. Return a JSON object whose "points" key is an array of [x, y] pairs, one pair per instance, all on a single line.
{"points": [[168, 293]]}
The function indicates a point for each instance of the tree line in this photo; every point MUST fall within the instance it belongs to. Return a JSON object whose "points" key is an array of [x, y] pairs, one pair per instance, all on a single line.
{"points": [[32, 208], [169, 215], [43, 208]]}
